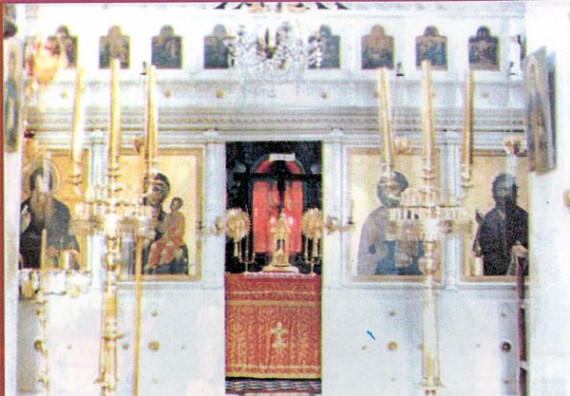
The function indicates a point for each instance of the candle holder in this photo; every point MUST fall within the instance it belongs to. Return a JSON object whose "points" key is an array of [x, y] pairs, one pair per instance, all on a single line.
{"points": [[216, 229], [71, 282], [248, 260], [238, 225], [468, 120], [41, 343], [334, 224], [312, 226], [402, 145], [114, 211], [423, 214], [515, 145]]}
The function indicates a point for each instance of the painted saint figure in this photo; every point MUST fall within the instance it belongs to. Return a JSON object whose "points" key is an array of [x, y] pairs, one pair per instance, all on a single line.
{"points": [[380, 253], [169, 246], [166, 49], [114, 46], [43, 211], [157, 192], [503, 232]]}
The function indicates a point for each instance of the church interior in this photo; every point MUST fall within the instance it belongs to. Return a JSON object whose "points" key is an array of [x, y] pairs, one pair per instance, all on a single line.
{"points": [[311, 198]]}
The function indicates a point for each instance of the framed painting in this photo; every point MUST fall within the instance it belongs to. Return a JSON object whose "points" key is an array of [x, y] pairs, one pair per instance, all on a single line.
{"points": [[499, 215], [433, 47], [12, 96], [483, 50], [216, 52], [48, 202], [329, 46], [374, 253], [540, 113], [67, 43], [167, 49], [114, 45], [174, 253], [377, 49]]}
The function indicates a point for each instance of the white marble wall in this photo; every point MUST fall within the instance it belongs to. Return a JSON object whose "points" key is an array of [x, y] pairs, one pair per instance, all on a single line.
{"points": [[549, 300]]}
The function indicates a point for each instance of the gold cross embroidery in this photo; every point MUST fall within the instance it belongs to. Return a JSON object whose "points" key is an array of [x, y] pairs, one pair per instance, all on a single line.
{"points": [[279, 332]]}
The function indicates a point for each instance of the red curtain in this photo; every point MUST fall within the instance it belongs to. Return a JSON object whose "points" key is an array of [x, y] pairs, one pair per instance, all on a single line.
{"points": [[266, 204]]}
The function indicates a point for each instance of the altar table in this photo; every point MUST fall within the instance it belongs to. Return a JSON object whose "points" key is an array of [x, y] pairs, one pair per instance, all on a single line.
{"points": [[273, 325]]}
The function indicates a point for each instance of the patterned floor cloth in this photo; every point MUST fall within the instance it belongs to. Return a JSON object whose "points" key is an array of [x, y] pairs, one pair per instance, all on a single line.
{"points": [[241, 386]]}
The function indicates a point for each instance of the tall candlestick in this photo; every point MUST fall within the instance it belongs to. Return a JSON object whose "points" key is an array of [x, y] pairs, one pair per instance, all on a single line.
{"points": [[428, 127], [77, 136], [246, 249], [46, 174], [43, 250], [138, 312], [114, 128], [385, 115], [468, 122], [151, 142], [65, 260]]}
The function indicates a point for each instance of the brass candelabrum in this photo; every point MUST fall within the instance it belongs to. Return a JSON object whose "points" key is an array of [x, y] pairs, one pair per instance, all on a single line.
{"points": [[238, 229], [423, 214], [312, 226], [41, 343], [217, 229], [114, 211], [334, 224], [238, 225]]}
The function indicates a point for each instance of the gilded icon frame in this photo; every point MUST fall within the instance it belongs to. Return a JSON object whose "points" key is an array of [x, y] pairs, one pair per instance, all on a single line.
{"points": [[59, 162], [541, 135], [363, 175], [487, 165], [184, 169]]}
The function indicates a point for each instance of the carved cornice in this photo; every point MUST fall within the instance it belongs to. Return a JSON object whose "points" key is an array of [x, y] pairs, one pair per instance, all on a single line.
{"points": [[350, 120]]}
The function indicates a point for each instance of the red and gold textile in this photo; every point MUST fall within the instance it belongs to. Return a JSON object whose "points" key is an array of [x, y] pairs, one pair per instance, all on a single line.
{"points": [[273, 326]]}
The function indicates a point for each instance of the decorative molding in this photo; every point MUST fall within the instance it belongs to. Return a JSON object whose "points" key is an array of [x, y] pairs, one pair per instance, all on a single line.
{"points": [[350, 120]]}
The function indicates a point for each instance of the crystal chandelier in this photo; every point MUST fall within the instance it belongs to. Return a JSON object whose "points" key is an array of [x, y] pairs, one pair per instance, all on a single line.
{"points": [[271, 49]]}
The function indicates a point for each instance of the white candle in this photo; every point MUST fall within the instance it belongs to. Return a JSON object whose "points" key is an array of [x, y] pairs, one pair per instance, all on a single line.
{"points": [[46, 176], [468, 122], [78, 124], [385, 116], [114, 128], [428, 116], [43, 251], [65, 260], [151, 143]]}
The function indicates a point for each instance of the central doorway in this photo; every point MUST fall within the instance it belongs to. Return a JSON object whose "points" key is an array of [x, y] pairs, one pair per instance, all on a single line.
{"points": [[273, 287]]}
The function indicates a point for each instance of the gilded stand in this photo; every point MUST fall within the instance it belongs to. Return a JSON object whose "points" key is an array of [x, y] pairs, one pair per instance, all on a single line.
{"points": [[281, 233], [238, 227], [312, 225], [423, 215], [111, 210]]}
